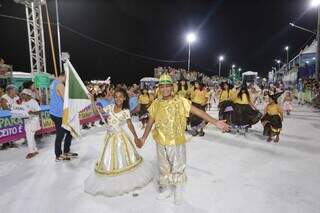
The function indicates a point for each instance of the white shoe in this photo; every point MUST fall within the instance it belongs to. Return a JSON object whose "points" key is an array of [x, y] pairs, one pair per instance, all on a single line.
{"points": [[164, 193], [178, 198]]}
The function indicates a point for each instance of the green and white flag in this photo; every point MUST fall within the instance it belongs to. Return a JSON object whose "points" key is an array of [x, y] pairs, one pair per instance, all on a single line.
{"points": [[76, 98]]}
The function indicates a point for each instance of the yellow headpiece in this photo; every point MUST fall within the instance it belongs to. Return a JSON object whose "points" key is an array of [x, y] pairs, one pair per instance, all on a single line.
{"points": [[165, 79]]}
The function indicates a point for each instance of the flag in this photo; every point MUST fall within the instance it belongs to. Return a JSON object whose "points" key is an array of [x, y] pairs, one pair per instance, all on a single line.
{"points": [[76, 98]]}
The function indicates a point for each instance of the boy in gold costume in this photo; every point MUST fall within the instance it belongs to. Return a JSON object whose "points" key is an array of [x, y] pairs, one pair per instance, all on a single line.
{"points": [[169, 115]]}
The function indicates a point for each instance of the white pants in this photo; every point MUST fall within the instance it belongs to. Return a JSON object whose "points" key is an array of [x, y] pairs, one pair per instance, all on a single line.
{"points": [[31, 126], [172, 164]]}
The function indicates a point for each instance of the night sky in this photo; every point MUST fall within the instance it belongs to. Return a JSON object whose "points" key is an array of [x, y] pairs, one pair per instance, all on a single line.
{"points": [[250, 33]]}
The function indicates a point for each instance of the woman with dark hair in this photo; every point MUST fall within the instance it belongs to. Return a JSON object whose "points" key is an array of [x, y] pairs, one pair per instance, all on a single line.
{"points": [[199, 98], [244, 112], [144, 101], [226, 95], [120, 169], [183, 88]]}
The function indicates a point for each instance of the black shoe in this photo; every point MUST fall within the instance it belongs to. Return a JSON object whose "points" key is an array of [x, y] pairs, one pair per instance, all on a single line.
{"points": [[85, 127], [4, 146], [62, 158], [71, 154], [13, 145], [201, 134], [194, 133]]}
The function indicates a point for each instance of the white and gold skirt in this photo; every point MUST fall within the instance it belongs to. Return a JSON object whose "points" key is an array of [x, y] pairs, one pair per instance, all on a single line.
{"points": [[120, 169]]}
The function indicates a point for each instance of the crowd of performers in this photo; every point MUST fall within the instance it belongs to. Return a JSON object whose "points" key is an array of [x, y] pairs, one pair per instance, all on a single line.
{"points": [[245, 106], [241, 106]]}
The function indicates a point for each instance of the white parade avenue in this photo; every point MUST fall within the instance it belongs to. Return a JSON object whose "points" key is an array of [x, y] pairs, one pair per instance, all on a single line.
{"points": [[226, 173]]}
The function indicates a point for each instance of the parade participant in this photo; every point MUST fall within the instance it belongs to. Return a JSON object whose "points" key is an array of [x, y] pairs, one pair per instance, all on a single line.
{"points": [[300, 88], [56, 112], [287, 102], [255, 92], [183, 88], [244, 112], [144, 101], [133, 101], [199, 98], [226, 95], [169, 114], [272, 119], [265, 98], [119, 169], [32, 123]]}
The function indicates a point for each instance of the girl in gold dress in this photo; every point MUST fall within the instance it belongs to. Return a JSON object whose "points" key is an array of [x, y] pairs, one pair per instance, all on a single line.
{"points": [[119, 169]]}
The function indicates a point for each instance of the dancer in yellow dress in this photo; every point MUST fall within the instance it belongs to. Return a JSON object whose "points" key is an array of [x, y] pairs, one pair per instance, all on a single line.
{"points": [[169, 116], [119, 169], [272, 119], [144, 101]]}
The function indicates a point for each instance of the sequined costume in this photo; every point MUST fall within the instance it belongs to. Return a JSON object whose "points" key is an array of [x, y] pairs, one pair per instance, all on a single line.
{"points": [[170, 118], [119, 169]]}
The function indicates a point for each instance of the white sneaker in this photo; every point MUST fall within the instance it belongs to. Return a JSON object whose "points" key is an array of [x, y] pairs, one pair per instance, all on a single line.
{"points": [[178, 198], [164, 193]]}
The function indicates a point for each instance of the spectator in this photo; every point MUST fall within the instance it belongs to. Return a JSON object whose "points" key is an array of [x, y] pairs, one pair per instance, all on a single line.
{"points": [[32, 123], [11, 95]]}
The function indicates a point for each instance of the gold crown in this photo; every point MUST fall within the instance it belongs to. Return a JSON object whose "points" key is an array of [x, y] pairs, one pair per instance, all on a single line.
{"points": [[165, 79]]}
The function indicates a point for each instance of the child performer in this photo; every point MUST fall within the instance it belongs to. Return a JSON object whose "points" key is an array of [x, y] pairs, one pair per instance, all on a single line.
{"points": [[287, 102], [119, 169], [169, 114], [272, 119]]}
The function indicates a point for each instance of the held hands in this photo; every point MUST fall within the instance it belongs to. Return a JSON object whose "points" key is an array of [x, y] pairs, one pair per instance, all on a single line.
{"points": [[139, 142], [222, 125]]}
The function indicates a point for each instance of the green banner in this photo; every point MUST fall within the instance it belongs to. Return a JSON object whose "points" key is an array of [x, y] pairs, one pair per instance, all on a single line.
{"points": [[42, 80]]}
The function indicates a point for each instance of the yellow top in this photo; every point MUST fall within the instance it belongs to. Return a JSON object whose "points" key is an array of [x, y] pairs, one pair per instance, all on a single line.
{"points": [[274, 109], [144, 99], [170, 120], [244, 100], [226, 95], [183, 92], [199, 97]]}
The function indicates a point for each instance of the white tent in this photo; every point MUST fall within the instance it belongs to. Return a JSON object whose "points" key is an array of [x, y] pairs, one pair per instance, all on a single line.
{"points": [[312, 48], [250, 73]]}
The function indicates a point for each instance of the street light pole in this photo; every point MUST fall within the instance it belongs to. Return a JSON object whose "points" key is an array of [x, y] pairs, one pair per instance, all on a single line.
{"points": [[58, 32], [318, 46], [287, 50], [316, 4], [189, 57], [190, 38], [221, 58]]}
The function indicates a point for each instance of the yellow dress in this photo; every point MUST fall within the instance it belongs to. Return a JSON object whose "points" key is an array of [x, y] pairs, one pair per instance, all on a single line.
{"points": [[183, 93], [199, 97], [119, 169], [170, 120], [144, 99]]}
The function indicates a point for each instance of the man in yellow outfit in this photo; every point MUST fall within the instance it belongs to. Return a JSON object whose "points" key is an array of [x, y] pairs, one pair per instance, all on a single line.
{"points": [[169, 114]]}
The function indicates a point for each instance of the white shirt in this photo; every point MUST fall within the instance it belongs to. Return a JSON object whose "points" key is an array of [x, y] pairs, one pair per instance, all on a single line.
{"points": [[11, 101], [31, 105]]}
